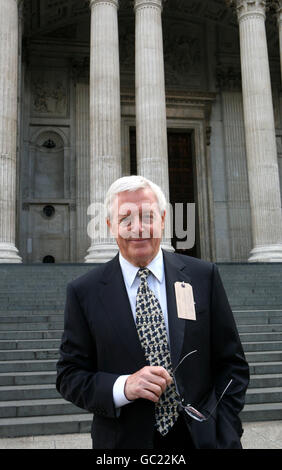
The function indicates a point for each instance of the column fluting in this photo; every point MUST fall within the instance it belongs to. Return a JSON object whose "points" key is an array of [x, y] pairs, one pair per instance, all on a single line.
{"points": [[8, 129], [263, 173], [105, 145], [151, 127]]}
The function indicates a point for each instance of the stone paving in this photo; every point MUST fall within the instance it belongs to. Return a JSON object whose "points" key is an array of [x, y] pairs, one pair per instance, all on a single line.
{"points": [[261, 435]]}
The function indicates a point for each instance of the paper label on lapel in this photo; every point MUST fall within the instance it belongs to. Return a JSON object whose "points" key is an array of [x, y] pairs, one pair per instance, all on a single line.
{"points": [[185, 301]]}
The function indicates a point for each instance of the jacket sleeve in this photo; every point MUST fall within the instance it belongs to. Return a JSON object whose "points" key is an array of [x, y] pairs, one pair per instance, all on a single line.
{"points": [[228, 363], [78, 379]]}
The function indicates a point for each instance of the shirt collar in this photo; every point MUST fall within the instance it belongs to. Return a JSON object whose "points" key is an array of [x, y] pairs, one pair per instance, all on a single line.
{"points": [[156, 266]]}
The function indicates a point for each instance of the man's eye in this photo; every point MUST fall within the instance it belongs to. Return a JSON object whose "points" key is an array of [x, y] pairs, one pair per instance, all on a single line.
{"points": [[147, 217], [125, 221]]}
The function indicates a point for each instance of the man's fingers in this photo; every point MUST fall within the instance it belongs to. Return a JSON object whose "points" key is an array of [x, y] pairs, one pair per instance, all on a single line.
{"points": [[162, 372], [149, 382], [148, 395]]}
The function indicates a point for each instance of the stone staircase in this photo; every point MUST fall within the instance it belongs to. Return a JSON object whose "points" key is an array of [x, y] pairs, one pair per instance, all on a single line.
{"points": [[255, 294], [31, 321]]}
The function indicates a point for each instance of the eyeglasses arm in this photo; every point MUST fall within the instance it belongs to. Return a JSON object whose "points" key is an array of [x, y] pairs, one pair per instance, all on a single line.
{"points": [[191, 352]]}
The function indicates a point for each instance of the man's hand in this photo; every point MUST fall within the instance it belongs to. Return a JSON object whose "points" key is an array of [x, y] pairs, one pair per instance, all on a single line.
{"points": [[149, 383]]}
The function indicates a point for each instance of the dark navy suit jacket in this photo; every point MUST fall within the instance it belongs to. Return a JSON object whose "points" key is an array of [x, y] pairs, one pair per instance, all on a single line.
{"points": [[100, 342]]}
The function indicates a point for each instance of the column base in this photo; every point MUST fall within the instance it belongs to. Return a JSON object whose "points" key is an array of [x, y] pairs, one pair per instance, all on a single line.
{"points": [[266, 254], [9, 254], [101, 253]]}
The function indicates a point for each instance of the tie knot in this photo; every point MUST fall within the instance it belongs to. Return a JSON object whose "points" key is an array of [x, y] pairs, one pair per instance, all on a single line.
{"points": [[143, 273]]}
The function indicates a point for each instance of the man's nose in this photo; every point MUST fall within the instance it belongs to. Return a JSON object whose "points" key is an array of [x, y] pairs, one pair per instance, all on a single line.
{"points": [[136, 226]]}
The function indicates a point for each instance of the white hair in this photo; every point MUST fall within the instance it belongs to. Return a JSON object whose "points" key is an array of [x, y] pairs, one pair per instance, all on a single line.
{"points": [[133, 183]]}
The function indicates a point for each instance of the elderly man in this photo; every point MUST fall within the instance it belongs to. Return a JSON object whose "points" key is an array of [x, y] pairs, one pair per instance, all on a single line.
{"points": [[150, 346]]}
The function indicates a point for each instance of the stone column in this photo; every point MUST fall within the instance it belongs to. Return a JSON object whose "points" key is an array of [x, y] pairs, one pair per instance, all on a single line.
{"points": [[8, 129], [261, 149], [105, 147], [151, 129], [278, 4]]}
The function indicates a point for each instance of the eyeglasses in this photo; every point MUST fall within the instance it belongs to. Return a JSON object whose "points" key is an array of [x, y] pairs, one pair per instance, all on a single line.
{"points": [[191, 410]]}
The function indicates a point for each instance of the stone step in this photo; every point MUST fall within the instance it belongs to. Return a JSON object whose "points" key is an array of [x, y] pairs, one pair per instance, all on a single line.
{"points": [[17, 319], [264, 356], [23, 303], [257, 317], [256, 346], [28, 392], [41, 293], [33, 296], [265, 380], [41, 306], [262, 412], [28, 355], [28, 366], [27, 313], [20, 308], [30, 335], [261, 368], [29, 344], [259, 337], [265, 395], [43, 407], [27, 378], [45, 425], [273, 328], [51, 325]]}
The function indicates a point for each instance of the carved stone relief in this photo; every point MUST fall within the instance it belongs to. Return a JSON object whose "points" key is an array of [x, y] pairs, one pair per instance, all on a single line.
{"points": [[183, 55], [50, 14], [49, 95], [228, 77]]}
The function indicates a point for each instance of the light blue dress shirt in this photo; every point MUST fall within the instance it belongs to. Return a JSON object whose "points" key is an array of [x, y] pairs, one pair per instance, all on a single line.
{"points": [[156, 282]]}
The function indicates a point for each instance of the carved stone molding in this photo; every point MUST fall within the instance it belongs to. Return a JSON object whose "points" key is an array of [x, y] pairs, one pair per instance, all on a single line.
{"points": [[228, 77], [246, 8], [275, 6], [148, 4], [114, 3], [80, 69], [49, 93]]}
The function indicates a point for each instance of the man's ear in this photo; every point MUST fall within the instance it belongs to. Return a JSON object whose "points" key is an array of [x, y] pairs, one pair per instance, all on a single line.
{"points": [[163, 219], [111, 227], [109, 224]]}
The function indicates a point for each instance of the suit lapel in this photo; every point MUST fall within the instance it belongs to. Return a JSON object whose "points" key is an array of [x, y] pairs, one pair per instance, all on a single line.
{"points": [[174, 271], [114, 297]]}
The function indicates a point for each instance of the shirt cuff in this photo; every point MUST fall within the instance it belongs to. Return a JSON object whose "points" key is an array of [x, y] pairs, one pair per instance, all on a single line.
{"points": [[118, 392]]}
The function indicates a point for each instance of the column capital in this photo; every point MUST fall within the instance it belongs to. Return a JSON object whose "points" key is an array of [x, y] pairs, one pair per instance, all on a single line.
{"points": [[247, 8], [148, 4], [113, 3], [276, 5]]}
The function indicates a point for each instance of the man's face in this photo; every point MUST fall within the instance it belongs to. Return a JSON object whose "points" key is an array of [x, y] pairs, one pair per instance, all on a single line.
{"points": [[137, 225]]}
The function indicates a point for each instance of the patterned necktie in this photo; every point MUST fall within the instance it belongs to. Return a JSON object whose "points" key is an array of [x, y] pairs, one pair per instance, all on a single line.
{"points": [[153, 337]]}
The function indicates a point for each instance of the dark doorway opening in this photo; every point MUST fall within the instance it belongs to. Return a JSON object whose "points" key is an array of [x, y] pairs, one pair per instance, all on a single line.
{"points": [[182, 181]]}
